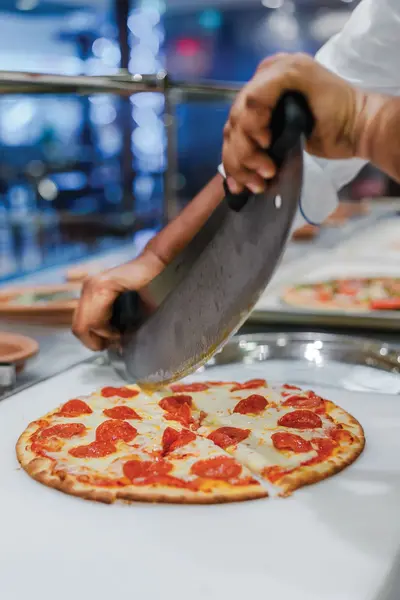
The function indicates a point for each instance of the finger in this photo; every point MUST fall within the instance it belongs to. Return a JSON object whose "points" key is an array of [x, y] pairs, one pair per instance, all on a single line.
{"points": [[85, 335], [253, 119], [107, 334], [81, 329], [234, 186], [255, 122], [93, 313], [260, 163], [266, 87], [270, 60], [244, 178], [236, 153], [236, 148]]}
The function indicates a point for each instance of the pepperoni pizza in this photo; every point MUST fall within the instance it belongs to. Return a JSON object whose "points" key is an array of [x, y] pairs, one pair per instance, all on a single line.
{"points": [[195, 443], [357, 294]]}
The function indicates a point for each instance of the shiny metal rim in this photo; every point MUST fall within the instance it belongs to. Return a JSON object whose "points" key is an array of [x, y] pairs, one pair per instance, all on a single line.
{"points": [[385, 322], [254, 348]]}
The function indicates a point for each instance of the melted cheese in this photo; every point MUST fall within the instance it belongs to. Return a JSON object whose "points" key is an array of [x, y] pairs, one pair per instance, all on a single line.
{"points": [[255, 453]]}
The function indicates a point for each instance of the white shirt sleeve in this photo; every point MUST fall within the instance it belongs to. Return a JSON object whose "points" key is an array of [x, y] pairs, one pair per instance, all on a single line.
{"points": [[365, 53]]}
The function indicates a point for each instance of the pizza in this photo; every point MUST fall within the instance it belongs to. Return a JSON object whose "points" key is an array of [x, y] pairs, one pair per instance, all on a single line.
{"points": [[356, 294], [205, 442]]}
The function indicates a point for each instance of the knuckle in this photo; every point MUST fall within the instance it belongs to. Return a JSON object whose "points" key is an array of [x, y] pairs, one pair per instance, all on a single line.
{"points": [[233, 118], [77, 330], [253, 102], [264, 63], [300, 59], [94, 283]]}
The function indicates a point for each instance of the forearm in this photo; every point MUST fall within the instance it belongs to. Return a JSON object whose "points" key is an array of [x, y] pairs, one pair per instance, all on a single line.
{"points": [[378, 133], [177, 234]]}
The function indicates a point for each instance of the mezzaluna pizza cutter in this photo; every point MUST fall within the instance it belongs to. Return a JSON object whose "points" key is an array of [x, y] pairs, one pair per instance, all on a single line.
{"points": [[186, 314]]}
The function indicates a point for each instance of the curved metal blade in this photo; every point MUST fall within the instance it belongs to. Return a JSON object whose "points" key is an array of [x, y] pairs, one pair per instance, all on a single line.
{"points": [[207, 293]]}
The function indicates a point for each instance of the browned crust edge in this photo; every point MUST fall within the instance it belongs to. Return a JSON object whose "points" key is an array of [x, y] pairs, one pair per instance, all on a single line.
{"points": [[41, 469], [292, 298], [346, 456]]}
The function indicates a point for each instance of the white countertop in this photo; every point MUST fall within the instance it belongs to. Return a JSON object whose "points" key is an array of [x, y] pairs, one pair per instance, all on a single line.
{"points": [[337, 540]]}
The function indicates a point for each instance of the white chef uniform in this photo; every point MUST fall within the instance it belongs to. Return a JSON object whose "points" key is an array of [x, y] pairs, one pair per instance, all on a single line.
{"points": [[365, 53]]}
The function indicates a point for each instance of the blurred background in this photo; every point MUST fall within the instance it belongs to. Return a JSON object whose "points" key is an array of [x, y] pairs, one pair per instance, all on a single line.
{"points": [[81, 175]]}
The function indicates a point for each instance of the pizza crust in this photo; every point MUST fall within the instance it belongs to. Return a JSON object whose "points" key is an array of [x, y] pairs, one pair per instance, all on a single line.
{"points": [[308, 475], [45, 471], [293, 298], [42, 470]]}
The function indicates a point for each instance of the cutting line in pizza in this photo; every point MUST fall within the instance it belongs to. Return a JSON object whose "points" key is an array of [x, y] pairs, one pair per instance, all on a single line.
{"points": [[206, 442], [354, 295]]}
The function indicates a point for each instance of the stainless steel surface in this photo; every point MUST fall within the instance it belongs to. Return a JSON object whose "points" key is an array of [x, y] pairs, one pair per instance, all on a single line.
{"points": [[261, 347], [171, 207], [287, 316], [213, 284], [126, 84], [58, 350], [310, 360], [7, 377], [123, 84]]}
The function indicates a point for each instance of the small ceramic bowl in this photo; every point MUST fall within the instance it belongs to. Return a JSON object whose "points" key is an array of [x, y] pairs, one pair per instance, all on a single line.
{"points": [[17, 349], [50, 303]]}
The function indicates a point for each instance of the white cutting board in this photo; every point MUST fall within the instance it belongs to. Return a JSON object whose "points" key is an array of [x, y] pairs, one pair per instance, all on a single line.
{"points": [[337, 540]]}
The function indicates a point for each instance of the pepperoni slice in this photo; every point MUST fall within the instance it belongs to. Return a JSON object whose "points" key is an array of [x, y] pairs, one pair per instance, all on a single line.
{"points": [[324, 295], [122, 392], [74, 408], [41, 423], [348, 288], [310, 401], [97, 449], [49, 445], [228, 436], [300, 419], [183, 415], [64, 431], [136, 469], [252, 384], [289, 441], [385, 304], [273, 474], [178, 408], [189, 387], [172, 403], [219, 467], [287, 386], [172, 439], [253, 405], [114, 431], [342, 435], [324, 447], [121, 412]]}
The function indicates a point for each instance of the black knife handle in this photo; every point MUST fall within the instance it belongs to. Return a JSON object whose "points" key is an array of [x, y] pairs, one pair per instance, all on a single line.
{"points": [[127, 311], [291, 119]]}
